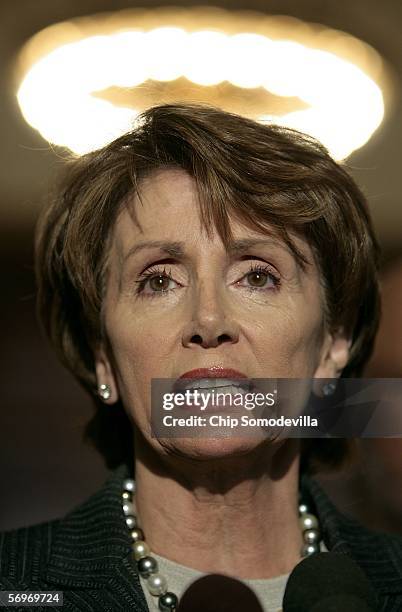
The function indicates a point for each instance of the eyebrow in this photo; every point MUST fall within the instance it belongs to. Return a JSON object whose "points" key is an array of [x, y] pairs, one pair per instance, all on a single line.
{"points": [[242, 244], [174, 249], [177, 249]]}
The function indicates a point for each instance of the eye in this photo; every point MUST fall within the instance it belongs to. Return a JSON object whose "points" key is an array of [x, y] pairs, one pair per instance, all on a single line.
{"points": [[155, 280], [261, 277]]}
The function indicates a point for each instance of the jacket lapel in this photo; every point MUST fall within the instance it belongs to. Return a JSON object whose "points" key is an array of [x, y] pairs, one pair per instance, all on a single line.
{"points": [[378, 554], [91, 548]]}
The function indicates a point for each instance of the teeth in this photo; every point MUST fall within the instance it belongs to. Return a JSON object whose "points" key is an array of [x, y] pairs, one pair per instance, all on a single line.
{"points": [[219, 384]]}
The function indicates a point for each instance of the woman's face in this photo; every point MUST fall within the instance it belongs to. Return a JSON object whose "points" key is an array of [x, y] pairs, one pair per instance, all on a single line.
{"points": [[176, 300]]}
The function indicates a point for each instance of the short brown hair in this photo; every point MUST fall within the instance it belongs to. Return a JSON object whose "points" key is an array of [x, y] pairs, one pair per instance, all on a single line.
{"points": [[265, 175]]}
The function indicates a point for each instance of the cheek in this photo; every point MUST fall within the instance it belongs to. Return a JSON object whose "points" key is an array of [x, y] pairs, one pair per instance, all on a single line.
{"points": [[141, 350], [287, 341], [141, 340]]}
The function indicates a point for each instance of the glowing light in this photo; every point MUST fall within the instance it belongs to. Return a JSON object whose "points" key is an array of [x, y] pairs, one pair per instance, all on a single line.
{"points": [[62, 89], [206, 58], [126, 65], [249, 59], [165, 52]]}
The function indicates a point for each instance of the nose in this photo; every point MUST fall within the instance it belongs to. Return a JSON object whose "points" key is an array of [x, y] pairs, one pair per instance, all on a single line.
{"points": [[212, 323]]}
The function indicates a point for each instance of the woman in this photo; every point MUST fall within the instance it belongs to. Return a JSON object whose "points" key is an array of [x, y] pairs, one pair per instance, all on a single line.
{"points": [[201, 246]]}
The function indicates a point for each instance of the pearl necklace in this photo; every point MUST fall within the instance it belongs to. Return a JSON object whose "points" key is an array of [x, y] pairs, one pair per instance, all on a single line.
{"points": [[147, 565]]}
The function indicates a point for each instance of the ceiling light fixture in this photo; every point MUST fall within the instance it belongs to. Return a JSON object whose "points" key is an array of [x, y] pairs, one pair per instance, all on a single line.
{"points": [[82, 83]]}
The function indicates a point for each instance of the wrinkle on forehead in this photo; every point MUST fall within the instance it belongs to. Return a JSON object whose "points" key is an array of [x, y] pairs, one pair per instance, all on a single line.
{"points": [[163, 190]]}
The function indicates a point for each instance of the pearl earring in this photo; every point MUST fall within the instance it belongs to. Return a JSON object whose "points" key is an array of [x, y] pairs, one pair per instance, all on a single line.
{"points": [[329, 389], [104, 391]]}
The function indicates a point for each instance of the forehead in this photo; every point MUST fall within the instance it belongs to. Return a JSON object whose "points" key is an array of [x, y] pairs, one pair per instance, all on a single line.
{"points": [[167, 207], [167, 197]]}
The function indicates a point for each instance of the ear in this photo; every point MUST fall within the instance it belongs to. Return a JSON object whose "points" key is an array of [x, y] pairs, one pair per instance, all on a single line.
{"points": [[334, 355], [105, 375]]}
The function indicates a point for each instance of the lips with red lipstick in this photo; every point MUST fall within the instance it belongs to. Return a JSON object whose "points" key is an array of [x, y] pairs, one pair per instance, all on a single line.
{"points": [[214, 377]]}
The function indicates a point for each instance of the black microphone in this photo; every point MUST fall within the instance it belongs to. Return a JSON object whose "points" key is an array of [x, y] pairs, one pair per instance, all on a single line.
{"points": [[217, 593], [328, 582]]}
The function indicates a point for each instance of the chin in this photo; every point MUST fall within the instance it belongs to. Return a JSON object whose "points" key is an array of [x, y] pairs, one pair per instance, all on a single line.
{"points": [[204, 448]]}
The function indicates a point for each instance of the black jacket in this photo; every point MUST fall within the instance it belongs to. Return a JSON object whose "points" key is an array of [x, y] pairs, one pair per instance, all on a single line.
{"points": [[87, 554]]}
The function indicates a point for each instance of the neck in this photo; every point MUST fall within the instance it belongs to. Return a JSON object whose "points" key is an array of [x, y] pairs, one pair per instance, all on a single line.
{"points": [[235, 515]]}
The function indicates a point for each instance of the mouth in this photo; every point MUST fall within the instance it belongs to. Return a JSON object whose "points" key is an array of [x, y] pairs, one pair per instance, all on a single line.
{"points": [[215, 378], [227, 385]]}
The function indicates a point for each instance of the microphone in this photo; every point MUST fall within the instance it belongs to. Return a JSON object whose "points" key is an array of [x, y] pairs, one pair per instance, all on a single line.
{"points": [[217, 593], [328, 582]]}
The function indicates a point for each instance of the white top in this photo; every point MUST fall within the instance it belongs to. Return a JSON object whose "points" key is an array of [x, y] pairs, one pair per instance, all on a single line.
{"points": [[269, 591]]}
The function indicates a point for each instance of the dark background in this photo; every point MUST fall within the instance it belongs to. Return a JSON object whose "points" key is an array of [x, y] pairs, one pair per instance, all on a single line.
{"points": [[45, 469]]}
